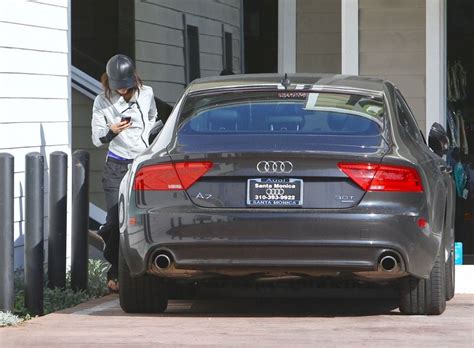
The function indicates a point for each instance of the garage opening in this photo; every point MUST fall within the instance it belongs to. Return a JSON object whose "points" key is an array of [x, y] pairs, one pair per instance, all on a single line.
{"points": [[261, 36], [460, 117]]}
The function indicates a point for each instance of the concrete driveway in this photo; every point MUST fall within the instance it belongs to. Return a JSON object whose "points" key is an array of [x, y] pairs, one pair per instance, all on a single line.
{"points": [[250, 322]]}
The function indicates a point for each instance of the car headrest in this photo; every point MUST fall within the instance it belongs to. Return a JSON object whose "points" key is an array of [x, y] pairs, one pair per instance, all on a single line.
{"points": [[226, 120]]}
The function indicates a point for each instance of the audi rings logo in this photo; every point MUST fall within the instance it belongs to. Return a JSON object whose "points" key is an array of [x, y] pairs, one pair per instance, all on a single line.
{"points": [[274, 191], [284, 167]]}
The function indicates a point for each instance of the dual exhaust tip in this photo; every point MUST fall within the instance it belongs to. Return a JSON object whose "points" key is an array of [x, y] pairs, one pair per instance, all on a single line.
{"points": [[162, 261], [389, 263]]}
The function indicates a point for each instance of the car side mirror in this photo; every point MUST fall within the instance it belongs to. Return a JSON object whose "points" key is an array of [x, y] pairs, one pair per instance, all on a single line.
{"points": [[155, 130], [438, 140]]}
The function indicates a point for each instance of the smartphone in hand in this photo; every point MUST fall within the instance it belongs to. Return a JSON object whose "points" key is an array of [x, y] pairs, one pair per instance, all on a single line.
{"points": [[126, 119]]}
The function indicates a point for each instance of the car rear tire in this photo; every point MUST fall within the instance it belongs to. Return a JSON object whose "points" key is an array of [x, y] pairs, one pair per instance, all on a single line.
{"points": [[450, 276], [425, 296], [143, 294]]}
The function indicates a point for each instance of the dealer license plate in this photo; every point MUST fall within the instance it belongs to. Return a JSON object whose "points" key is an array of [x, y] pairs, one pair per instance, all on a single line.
{"points": [[274, 192]]}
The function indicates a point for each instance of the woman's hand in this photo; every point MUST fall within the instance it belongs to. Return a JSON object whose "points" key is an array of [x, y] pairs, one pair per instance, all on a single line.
{"points": [[119, 127]]}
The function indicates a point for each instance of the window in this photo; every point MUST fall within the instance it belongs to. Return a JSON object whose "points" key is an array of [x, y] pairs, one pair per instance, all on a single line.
{"points": [[284, 119], [192, 53], [406, 120], [228, 51]]}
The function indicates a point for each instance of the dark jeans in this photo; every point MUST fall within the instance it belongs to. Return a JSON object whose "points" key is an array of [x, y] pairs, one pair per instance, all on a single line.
{"points": [[114, 171]]}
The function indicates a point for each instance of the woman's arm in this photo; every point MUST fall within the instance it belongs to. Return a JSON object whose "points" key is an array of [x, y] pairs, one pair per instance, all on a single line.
{"points": [[103, 132], [152, 112]]}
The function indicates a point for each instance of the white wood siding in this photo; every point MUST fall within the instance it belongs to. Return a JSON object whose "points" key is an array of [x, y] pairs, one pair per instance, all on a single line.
{"points": [[34, 91], [159, 31], [318, 36], [392, 46]]}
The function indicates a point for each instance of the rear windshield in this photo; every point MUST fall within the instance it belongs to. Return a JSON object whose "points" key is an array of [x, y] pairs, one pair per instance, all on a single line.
{"points": [[281, 120]]}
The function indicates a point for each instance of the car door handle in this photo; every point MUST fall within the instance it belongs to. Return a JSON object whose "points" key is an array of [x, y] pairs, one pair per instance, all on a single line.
{"points": [[446, 169]]}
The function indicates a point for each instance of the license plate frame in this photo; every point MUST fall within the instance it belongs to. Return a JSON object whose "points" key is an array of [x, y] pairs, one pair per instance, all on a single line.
{"points": [[275, 192]]}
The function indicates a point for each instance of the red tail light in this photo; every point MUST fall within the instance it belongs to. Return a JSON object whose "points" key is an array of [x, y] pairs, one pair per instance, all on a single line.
{"points": [[169, 176], [381, 177]]}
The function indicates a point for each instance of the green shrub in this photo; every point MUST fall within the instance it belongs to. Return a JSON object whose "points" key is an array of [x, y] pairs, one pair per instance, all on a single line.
{"points": [[57, 298], [9, 319], [97, 286]]}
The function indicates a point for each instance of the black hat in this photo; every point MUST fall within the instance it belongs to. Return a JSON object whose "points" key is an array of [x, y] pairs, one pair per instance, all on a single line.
{"points": [[121, 72]]}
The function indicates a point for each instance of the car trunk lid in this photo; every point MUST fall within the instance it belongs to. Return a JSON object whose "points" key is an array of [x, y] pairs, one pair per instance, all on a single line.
{"points": [[276, 180]]}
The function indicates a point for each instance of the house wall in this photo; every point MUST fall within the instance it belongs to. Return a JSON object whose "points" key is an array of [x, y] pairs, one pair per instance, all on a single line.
{"points": [[318, 36], [392, 46], [159, 45], [161, 63], [34, 91]]}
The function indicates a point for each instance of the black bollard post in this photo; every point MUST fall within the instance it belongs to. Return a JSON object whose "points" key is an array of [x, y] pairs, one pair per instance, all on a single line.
{"points": [[57, 220], [6, 232], [34, 227], [80, 219]]}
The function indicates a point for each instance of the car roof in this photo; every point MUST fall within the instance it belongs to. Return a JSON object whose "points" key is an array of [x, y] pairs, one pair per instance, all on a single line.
{"points": [[297, 81]]}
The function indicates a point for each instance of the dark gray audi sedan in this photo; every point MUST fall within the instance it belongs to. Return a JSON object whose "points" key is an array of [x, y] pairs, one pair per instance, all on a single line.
{"points": [[297, 176]]}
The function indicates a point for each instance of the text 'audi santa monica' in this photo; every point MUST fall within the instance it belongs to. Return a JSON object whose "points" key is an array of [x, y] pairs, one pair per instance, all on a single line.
{"points": [[259, 176]]}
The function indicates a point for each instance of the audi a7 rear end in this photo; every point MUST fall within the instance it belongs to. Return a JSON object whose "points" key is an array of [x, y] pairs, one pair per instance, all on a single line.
{"points": [[271, 176]]}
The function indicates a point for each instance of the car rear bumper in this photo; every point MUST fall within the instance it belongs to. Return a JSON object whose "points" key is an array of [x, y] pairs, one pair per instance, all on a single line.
{"points": [[307, 241]]}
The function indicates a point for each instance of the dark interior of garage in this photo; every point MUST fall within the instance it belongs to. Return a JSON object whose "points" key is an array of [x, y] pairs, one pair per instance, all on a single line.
{"points": [[460, 117], [100, 29], [261, 36]]}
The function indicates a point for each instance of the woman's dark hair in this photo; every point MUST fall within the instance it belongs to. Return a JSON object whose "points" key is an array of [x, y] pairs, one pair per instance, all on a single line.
{"points": [[104, 79]]}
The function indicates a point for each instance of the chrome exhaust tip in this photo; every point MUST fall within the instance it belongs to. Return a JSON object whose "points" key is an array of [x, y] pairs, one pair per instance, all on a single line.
{"points": [[389, 263], [162, 262]]}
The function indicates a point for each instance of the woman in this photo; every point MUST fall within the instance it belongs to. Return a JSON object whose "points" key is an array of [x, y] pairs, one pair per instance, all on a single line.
{"points": [[122, 117]]}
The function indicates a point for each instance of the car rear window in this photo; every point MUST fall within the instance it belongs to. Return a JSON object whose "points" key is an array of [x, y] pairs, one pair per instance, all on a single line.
{"points": [[281, 117]]}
